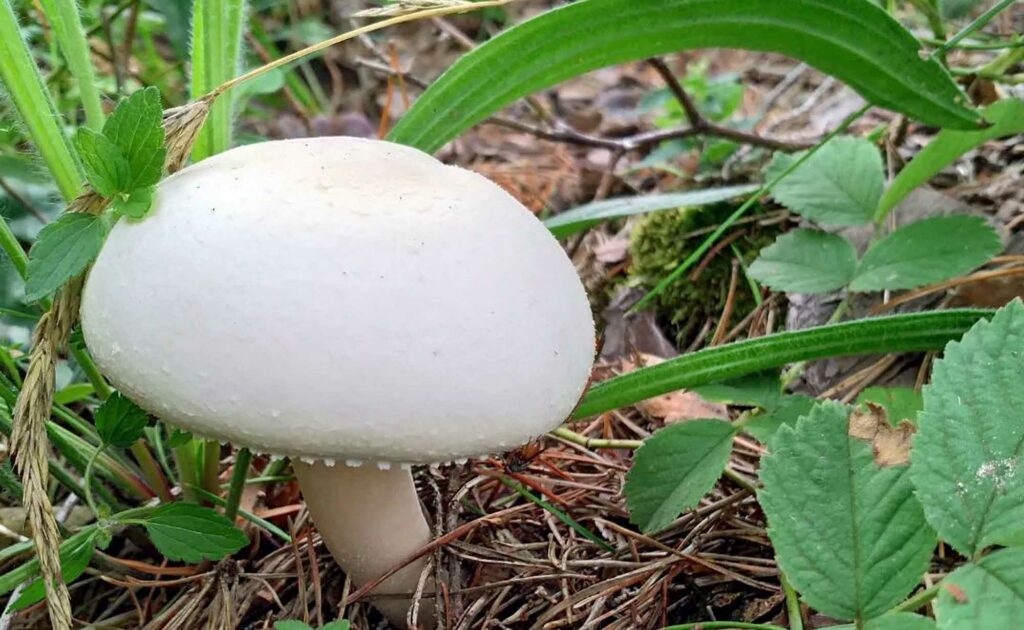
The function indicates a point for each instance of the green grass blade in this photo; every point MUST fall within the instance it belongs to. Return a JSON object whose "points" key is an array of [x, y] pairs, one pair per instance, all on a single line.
{"points": [[896, 333], [67, 26], [38, 113], [216, 47], [855, 41]]}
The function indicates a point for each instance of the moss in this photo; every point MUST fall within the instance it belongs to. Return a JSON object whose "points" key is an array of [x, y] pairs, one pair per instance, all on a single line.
{"points": [[662, 240]]}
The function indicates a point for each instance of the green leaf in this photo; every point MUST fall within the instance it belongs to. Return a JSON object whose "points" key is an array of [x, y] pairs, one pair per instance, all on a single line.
{"points": [[119, 421], [900, 403], [137, 204], [897, 333], [872, 53], [291, 624], [191, 533], [931, 250], [341, 624], [755, 390], [583, 217], [178, 438], [75, 554], [74, 393], [969, 449], [806, 261], [674, 468], [847, 532], [840, 184], [136, 127], [1007, 118], [64, 249], [984, 595], [105, 166], [894, 621], [766, 424]]}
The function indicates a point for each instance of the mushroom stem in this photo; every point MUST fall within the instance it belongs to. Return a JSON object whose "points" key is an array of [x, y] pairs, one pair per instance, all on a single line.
{"points": [[371, 520]]}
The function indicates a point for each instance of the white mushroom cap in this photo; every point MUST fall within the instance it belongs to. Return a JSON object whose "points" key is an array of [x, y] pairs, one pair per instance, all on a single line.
{"points": [[341, 298]]}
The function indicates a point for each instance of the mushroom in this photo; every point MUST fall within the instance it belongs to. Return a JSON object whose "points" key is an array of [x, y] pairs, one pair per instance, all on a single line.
{"points": [[354, 304]]}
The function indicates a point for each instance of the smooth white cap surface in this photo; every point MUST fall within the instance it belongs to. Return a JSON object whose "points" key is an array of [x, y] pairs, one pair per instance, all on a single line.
{"points": [[341, 298]]}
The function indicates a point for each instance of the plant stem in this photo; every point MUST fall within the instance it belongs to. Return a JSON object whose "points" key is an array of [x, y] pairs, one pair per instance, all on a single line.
{"points": [[216, 42], [92, 372], [151, 471], [67, 26], [977, 23], [249, 516], [185, 458], [88, 482], [796, 619], [38, 113], [918, 600], [242, 460], [747, 205], [211, 466]]}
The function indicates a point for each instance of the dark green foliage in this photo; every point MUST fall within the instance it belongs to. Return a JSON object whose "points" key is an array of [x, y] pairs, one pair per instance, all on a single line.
{"points": [[662, 240]]}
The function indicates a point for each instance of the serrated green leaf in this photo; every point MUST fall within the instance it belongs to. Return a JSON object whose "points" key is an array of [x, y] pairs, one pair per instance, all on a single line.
{"points": [[1007, 118], [806, 261], [900, 403], [136, 127], [75, 555], [895, 621], [674, 468], [872, 53], [119, 421], [291, 624], [909, 332], [583, 217], [766, 424], [840, 184], [192, 533], [969, 449], [847, 532], [137, 204], [105, 166], [931, 250], [63, 250], [985, 594]]}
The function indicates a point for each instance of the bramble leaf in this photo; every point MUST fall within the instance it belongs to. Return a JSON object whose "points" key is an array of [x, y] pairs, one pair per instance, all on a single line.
{"points": [[893, 621], [985, 594], [136, 127], [192, 533], [789, 409], [847, 531], [969, 450], [674, 468], [119, 421], [931, 250], [63, 250], [806, 261], [105, 166], [840, 184]]}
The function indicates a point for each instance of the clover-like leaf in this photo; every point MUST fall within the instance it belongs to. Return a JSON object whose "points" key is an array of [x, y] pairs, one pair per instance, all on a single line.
{"points": [[806, 261], [119, 421], [136, 127], [105, 166], [63, 250]]}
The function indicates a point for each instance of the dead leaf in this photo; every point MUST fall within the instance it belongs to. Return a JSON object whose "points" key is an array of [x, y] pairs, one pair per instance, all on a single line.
{"points": [[891, 445], [677, 406]]}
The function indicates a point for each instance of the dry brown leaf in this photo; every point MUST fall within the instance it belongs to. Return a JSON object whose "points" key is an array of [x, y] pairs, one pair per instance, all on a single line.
{"points": [[891, 445], [677, 406]]}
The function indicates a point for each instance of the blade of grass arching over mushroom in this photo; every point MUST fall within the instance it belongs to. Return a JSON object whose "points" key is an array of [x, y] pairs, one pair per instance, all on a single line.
{"points": [[216, 47], [855, 41], [898, 333]]}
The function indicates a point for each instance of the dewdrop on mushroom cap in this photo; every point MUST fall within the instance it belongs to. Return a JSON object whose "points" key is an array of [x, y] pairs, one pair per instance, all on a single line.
{"points": [[343, 300]]}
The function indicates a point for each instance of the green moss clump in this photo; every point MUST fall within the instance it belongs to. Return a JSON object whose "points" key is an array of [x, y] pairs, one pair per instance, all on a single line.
{"points": [[662, 240]]}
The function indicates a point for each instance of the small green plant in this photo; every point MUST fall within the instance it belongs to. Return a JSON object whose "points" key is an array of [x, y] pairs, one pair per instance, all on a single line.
{"points": [[842, 185]]}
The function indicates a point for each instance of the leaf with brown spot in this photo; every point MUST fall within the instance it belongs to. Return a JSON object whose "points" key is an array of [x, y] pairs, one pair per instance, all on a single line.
{"points": [[891, 445]]}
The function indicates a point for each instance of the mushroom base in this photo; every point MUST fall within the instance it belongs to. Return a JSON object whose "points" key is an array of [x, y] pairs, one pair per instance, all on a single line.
{"points": [[371, 520]]}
